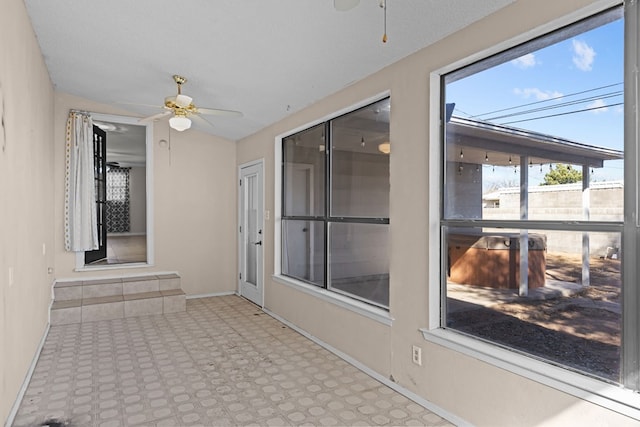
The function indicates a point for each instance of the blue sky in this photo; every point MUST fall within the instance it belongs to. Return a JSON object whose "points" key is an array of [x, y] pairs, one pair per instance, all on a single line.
{"points": [[549, 77]]}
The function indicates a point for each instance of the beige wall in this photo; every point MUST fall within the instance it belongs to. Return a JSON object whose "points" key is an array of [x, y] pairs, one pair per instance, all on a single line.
{"points": [[195, 219], [26, 197], [194, 205], [475, 391]]}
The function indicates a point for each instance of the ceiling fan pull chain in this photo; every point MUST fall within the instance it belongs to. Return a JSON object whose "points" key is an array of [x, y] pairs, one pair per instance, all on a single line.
{"points": [[383, 5]]}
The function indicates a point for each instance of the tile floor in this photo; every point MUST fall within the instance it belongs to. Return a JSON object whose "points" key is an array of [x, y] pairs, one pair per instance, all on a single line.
{"points": [[125, 249], [222, 362]]}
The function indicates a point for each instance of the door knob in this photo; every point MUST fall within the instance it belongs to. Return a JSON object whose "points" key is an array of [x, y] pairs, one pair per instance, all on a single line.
{"points": [[258, 243]]}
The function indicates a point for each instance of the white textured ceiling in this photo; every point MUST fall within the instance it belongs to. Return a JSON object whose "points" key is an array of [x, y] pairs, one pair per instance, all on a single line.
{"points": [[266, 58]]}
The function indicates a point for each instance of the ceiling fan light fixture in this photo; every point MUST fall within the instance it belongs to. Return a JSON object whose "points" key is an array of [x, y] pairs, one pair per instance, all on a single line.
{"points": [[344, 5], [180, 123], [183, 101], [385, 147]]}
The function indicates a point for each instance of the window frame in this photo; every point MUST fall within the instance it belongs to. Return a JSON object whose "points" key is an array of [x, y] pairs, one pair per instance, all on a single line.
{"points": [[612, 396], [381, 315]]}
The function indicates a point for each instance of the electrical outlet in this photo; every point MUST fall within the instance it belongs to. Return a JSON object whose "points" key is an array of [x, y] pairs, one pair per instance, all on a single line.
{"points": [[416, 355]]}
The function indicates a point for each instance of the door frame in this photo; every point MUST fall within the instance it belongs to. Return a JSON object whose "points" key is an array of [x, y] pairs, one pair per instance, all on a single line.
{"points": [[240, 197]]}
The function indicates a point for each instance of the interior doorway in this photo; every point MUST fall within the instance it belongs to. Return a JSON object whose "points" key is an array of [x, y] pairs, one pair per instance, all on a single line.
{"points": [[122, 178]]}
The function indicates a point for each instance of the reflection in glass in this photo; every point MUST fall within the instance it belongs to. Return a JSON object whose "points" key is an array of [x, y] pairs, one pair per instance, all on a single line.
{"points": [[252, 229], [359, 261], [303, 250], [126, 199], [360, 163], [304, 176], [562, 319]]}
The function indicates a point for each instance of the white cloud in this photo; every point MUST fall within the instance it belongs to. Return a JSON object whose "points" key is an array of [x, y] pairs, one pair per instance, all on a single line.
{"points": [[599, 106], [539, 95], [525, 61], [583, 55]]}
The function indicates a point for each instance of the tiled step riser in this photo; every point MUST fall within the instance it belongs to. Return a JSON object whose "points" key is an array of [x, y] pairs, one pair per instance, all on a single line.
{"points": [[65, 291], [86, 301], [118, 310]]}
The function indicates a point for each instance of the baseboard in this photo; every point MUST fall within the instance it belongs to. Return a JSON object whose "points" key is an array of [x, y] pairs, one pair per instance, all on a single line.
{"points": [[27, 379], [403, 391], [215, 294]]}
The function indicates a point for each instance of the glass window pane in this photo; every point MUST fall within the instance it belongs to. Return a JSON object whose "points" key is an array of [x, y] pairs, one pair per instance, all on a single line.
{"points": [[480, 191], [572, 312], [304, 176], [555, 114], [303, 250], [359, 261], [360, 163], [251, 215]]}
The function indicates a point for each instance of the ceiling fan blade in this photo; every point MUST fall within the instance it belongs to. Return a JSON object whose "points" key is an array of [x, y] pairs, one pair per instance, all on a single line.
{"points": [[137, 104], [344, 5], [202, 120], [218, 112], [154, 117]]}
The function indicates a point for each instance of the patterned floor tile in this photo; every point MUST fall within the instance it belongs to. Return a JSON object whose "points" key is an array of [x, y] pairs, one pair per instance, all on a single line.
{"points": [[222, 362]]}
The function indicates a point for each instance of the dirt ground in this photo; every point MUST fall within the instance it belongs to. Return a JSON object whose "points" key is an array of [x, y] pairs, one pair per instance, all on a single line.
{"points": [[581, 331]]}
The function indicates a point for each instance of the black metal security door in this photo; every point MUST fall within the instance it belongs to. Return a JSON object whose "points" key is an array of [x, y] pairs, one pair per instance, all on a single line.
{"points": [[100, 180]]}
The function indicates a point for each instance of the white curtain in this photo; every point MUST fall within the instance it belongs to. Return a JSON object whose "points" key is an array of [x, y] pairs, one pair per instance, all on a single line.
{"points": [[81, 225]]}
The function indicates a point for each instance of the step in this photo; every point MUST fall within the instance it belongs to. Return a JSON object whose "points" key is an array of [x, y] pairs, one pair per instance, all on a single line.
{"points": [[116, 298]]}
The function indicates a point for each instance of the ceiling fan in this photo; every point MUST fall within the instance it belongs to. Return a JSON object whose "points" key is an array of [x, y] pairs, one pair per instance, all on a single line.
{"points": [[181, 108]]}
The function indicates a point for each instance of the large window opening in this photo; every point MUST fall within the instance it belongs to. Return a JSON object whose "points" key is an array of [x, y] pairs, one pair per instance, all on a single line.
{"points": [[335, 205], [533, 203], [122, 177]]}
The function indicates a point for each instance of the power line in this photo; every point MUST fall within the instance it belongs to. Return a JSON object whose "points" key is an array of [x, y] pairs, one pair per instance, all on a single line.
{"points": [[562, 114], [546, 100], [561, 105], [464, 112]]}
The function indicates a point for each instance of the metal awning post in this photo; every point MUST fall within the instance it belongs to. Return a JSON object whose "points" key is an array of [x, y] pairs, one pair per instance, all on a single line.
{"points": [[524, 234], [586, 201]]}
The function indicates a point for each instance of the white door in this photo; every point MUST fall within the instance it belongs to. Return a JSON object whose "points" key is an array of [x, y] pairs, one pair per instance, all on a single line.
{"points": [[251, 242]]}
